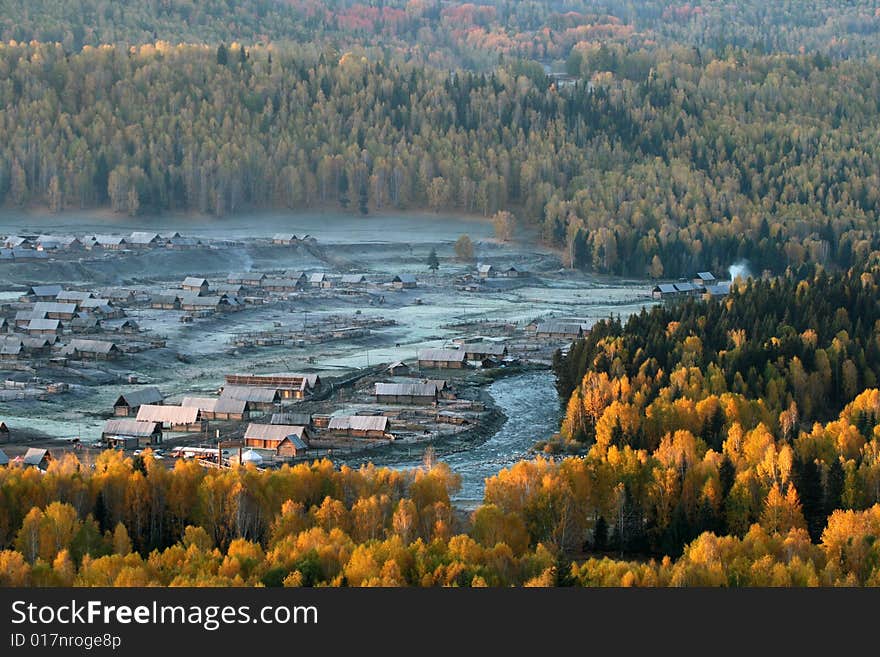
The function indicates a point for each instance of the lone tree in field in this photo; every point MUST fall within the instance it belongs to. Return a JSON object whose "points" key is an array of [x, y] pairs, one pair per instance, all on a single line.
{"points": [[464, 248], [504, 223], [433, 261]]}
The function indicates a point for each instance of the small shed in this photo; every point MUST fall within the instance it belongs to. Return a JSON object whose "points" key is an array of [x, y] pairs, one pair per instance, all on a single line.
{"points": [[128, 403]]}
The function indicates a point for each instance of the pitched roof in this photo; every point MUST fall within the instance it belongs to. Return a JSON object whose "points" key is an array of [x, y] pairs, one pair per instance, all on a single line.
{"points": [[193, 281], [565, 328], [109, 240], [284, 236], [317, 277], [250, 393], [203, 403], [666, 288], [43, 325], [139, 397], [53, 307], [73, 295], [298, 419], [143, 237], [129, 427], [37, 342], [359, 423], [485, 269], [448, 355], [705, 276], [91, 346], [94, 303], [279, 282], [168, 414], [406, 389], [491, 348], [353, 278], [44, 290], [35, 456], [404, 278], [274, 432], [4, 460], [685, 287]]}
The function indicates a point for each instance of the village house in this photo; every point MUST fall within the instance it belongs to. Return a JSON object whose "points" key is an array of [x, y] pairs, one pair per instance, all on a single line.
{"points": [[360, 426], [14, 242], [264, 400], [213, 303], [37, 458], [143, 239], [398, 369], [219, 408], [353, 280], [23, 318], [512, 272], [285, 239], [180, 242], [280, 285], [320, 280], [41, 293], [111, 242], [54, 310], [486, 271], [441, 358], [72, 296], [561, 330], [131, 434], [296, 419], [80, 349], [297, 275], [128, 403], [40, 345], [84, 325], [480, 351], [247, 279], [404, 281], [198, 286], [288, 386], [285, 440], [186, 419], [118, 294], [704, 279], [165, 301], [44, 327], [406, 393], [56, 242]]}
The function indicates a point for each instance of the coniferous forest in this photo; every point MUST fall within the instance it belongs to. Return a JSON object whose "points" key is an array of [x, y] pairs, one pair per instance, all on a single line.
{"points": [[710, 441]]}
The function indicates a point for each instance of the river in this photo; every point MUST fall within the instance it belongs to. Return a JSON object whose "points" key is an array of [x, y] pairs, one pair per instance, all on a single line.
{"points": [[532, 408]]}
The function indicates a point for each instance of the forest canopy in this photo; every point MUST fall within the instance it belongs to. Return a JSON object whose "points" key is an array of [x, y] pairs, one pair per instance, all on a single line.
{"points": [[670, 160]]}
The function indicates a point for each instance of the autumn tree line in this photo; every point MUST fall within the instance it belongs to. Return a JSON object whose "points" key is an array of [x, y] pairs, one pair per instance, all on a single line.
{"points": [[684, 164]]}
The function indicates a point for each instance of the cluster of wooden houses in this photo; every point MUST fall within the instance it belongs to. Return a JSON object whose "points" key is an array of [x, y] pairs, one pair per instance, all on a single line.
{"points": [[37, 324], [23, 248], [35, 457], [703, 283]]}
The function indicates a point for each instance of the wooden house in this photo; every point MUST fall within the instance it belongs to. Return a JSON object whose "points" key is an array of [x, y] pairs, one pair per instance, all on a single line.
{"points": [[80, 349], [194, 285], [404, 281], [174, 418], [441, 358], [560, 330], [37, 458], [406, 393], [360, 426], [285, 440], [128, 403], [128, 433]]}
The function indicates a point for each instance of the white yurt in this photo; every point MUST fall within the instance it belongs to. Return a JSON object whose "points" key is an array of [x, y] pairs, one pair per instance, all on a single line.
{"points": [[251, 456]]}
